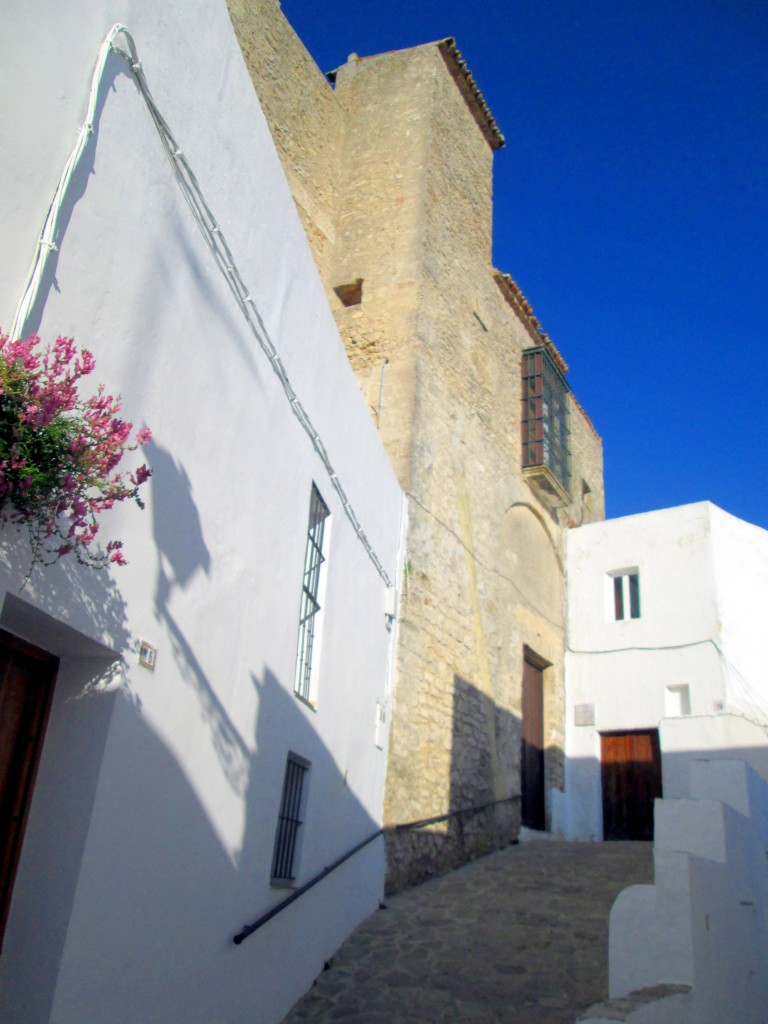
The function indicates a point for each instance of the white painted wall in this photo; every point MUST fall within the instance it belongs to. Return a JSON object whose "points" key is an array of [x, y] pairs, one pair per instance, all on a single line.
{"points": [[719, 737], [741, 579], [150, 835], [703, 580], [704, 922]]}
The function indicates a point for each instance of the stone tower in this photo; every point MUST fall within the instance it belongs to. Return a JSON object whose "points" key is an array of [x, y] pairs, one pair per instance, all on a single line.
{"points": [[390, 163]]}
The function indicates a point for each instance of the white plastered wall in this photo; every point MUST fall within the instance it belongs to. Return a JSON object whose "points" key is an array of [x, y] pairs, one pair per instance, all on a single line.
{"points": [[150, 835], [740, 552], [630, 673]]}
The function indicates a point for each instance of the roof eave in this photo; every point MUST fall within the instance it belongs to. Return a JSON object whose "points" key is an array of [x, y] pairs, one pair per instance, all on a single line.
{"points": [[471, 93], [511, 292]]}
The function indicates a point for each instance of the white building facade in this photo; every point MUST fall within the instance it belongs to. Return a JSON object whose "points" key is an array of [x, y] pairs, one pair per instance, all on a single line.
{"points": [[665, 628], [152, 830]]}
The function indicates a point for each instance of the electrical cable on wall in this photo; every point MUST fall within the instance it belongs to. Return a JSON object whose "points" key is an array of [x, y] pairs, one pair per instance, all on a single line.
{"points": [[749, 694], [210, 231], [484, 565]]}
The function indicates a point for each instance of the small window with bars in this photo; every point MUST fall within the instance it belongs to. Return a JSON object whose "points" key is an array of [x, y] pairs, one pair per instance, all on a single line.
{"points": [[289, 820], [624, 595], [314, 558], [544, 420]]}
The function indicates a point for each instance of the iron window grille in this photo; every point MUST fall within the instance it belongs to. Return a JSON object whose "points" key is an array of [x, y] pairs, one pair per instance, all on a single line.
{"points": [[289, 821], [310, 604], [545, 427]]}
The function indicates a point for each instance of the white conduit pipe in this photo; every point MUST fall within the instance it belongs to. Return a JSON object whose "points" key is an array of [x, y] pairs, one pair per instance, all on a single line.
{"points": [[210, 231], [46, 243]]}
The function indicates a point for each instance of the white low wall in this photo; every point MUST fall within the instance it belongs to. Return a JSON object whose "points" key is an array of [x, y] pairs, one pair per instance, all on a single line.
{"points": [[713, 737], [704, 921]]}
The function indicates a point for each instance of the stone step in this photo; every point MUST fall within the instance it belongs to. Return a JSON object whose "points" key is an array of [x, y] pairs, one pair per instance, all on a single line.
{"points": [[666, 1005]]}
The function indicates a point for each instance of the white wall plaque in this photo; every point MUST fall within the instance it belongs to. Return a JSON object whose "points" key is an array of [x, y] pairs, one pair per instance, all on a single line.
{"points": [[584, 714]]}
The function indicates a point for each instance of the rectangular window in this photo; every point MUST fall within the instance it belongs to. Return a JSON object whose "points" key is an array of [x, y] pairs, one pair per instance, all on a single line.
{"points": [[310, 594], [544, 420], [626, 596], [289, 821]]}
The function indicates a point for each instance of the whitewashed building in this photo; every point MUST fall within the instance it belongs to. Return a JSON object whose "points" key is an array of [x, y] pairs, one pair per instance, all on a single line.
{"points": [[667, 697], [665, 659], [152, 831]]}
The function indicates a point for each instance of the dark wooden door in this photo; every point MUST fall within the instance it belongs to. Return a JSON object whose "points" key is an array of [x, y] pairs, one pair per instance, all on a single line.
{"points": [[631, 781], [27, 675], [532, 767]]}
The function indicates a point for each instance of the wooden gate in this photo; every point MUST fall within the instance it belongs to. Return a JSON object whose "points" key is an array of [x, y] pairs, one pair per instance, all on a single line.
{"points": [[27, 675], [630, 768], [532, 754]]}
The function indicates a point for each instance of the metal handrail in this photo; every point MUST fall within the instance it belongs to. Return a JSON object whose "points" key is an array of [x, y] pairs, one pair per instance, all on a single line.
{"points": [[249, 929], [454, 814]]}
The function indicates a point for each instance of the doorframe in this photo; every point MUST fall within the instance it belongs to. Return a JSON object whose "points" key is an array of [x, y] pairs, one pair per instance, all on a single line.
{"points": [[26, 765], [541, 665], [654, 733]]}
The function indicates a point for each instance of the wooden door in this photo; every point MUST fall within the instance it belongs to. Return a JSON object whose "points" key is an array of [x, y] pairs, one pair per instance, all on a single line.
{"points": [[532, 755], [27, 675], [631, 781]]}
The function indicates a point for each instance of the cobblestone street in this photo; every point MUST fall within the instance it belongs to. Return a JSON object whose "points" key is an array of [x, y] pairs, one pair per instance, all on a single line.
{"points": [[518, 937]]}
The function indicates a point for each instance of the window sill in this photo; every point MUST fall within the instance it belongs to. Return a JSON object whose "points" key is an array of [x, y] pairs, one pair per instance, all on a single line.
{"points": [[305, 701]]}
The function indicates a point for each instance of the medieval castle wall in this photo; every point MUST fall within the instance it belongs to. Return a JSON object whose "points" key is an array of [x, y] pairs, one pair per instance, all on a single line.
{"points": [[306, 121], [392, 175]]}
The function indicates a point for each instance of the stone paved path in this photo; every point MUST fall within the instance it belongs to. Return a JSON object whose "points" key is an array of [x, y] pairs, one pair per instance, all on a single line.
{"points": [[518, 937]]}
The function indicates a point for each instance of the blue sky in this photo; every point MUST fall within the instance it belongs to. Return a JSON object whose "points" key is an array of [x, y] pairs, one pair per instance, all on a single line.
{"points": [[631, 206]]}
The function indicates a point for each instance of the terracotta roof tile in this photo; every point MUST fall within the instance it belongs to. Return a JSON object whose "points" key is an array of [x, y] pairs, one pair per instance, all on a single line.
{"points": [[521, 305], [475, 100]]}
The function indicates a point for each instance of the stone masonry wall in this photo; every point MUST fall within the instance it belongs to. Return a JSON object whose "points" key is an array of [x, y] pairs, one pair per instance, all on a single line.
{"points": [[396, 190], [485, 577], [378, 238], [306, 121], [587, 468], [455, 740]]}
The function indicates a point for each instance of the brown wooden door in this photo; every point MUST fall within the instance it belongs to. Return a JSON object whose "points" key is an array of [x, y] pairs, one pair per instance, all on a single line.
{"points": [[532, 766], [631, 781], [27, 675]]}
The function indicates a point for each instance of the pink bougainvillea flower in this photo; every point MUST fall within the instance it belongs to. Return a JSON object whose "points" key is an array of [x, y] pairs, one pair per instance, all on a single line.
{"points": [[60, 453]]}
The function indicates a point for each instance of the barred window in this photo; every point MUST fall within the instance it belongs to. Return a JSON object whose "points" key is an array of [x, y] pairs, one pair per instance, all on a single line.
{"points": [[310, 594], [289, 820], [544, 421]]}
